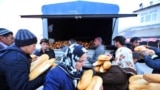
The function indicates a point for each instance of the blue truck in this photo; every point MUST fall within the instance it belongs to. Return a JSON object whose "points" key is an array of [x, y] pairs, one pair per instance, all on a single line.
{"points": [[81, 20]]}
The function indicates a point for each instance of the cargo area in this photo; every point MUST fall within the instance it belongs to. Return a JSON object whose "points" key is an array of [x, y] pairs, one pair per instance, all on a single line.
{"points": [[85, 29]]}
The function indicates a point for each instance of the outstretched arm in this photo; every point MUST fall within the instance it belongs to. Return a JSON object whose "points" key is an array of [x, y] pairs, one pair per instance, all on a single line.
{"points": [[157, 51], [155, 64]]}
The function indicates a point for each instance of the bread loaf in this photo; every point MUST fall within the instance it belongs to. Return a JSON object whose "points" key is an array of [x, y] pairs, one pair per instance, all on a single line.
{"points": [[139, 81], [39, 61], [105, 57], [138, 87], [107, 65], [102, 70], [85, 79], [152, 78], [96, 68], [40, 69], [95, 83], [98, 62], [135, 77], [150, 52], [153, 86], [140, 48]]}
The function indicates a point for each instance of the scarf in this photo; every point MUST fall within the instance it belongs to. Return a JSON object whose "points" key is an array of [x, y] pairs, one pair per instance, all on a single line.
{"points": [[69, 60]]}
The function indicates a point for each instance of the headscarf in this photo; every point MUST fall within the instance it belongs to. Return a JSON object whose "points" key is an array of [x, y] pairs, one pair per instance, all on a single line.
{"points": [[71, 56]]}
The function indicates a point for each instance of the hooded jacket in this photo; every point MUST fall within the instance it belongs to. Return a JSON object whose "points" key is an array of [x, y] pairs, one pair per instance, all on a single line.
{"points": [[15, 69]]}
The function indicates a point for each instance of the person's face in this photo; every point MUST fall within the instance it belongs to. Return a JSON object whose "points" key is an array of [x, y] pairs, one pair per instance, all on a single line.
{"points": [[135, 43], [7, 40], [96, 42], [81, 61], [44, 45], [115, 43], [30, 48]]}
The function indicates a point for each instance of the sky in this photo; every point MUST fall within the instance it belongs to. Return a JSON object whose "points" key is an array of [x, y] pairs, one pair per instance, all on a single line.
{"points": [[12, 9]]}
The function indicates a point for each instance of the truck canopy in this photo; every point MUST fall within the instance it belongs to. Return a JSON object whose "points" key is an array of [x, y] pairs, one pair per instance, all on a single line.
{"points": [[80, 7]]}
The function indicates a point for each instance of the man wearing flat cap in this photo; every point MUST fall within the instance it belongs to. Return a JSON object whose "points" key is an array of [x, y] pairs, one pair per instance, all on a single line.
{"points": [[6, 38]]}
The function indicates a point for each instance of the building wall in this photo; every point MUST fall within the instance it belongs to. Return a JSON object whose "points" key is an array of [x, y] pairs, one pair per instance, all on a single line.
{"points": [[148, 16]]}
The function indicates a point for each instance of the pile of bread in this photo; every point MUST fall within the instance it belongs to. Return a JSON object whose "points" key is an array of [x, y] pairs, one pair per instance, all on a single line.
{"points": [[144, 82], [103, 63], [59, 44], [143, 48], [89, 82], [40, 65]]}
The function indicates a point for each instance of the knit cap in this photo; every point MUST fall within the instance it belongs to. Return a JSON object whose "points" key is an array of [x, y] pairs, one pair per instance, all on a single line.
{"points": [[24, 37], [4, 31]]}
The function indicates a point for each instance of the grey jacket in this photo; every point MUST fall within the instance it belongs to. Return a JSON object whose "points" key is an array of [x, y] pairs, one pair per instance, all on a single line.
{"points": [[98, 51]]}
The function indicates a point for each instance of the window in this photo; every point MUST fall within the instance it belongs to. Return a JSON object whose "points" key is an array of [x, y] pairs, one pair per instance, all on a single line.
{"points": [[142, 19], [153, 15], [147, 18]]}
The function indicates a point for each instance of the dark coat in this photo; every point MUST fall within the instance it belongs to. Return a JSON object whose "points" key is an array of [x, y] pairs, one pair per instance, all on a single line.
{"points": [[50, 53], [57, 79], [15, 69], [114, 79], [155, 62]]}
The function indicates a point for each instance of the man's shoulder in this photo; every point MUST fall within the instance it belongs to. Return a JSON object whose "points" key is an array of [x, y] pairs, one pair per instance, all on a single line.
{"points": [[50, 49], [124, 49], [101, 47]]}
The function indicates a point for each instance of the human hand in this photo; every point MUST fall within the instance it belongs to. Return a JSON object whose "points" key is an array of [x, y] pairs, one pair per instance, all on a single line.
{"points": [[33, 57], [143, 53]]}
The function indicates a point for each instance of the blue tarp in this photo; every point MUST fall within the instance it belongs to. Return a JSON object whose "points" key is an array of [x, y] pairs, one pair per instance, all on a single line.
{"points": [[80, 7]]}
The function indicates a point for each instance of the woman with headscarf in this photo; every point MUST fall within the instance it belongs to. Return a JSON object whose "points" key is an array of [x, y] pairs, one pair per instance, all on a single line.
{"points": [[69, 71]]}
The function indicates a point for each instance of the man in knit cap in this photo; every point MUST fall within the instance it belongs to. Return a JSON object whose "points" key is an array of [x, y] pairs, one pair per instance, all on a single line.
{"points": [[6, 38], [15, 63]]}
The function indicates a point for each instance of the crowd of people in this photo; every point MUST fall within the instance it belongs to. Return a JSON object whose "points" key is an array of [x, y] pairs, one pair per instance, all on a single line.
{"points": [[15, 62]]}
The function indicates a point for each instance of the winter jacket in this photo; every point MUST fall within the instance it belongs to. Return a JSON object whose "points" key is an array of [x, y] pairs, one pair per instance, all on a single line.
{"points": [[3, 46], [15, 69], [57, 79], [155, 62], [50, 52], [114, 79]]}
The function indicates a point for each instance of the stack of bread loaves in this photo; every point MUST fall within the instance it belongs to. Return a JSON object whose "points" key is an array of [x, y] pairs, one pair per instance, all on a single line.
{"points": [[40, 65], [89, 82], [103, 63], [143, 48], [144, 82]]}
